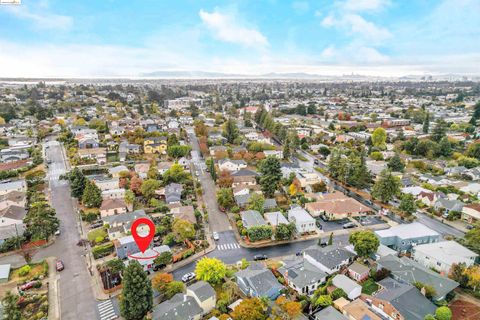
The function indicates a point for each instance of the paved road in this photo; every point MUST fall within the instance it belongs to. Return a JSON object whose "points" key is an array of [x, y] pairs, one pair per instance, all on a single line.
{"points": [[218, 220], [76, 296], [442, 228]]}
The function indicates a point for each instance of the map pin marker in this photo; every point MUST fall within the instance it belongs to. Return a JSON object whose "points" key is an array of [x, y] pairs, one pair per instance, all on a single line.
{"points": [[143, 241]]}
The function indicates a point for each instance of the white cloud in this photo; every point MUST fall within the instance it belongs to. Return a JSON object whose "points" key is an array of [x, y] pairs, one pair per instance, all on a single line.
{"points": [[364, 5], [367, 29], [41, 19], [226, 28]]}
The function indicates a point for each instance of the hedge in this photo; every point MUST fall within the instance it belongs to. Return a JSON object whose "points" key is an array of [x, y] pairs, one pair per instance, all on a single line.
{"points": [[102, 250]]}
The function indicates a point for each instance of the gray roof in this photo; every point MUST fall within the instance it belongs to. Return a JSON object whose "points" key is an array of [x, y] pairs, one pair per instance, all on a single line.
{"points": [[408, 271], [4, 271], [180, 307], [406, 299], [329, 256], [269, 203], [244, 173], [343, 282], [453, 205], [252, 218], [301, 272], [259, 278], [14, 212], [242, 199], [203, 290], [18, 184], [329, 313], [407, 231], [125, 218], [275, 218]]}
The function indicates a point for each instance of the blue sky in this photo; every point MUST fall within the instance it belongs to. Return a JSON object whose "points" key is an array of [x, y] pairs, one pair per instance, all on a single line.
{"points": [[95, 38]]}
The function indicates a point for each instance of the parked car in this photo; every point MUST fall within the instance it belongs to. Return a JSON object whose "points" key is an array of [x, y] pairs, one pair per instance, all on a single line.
{"points": [[469, 227], [96, 225], [57, 233], [59, 265], [323, 244], [349, 225], [316, 161], [216, 237], [260, 257], [29, 285], [188, 276]]}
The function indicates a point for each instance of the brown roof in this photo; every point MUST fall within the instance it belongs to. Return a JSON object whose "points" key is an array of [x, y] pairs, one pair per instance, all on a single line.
{"points": [[14, 196], [359, 309], [336, 204], [474, 206], [14, 212], [13, 165], [185, 213], [358, 268], [109, 204]]}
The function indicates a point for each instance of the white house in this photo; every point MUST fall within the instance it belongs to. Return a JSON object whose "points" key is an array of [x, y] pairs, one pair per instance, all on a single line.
{"points": [[273, 153], [351, 288], [7, 187], [304, 222], [441, 255], [231, 165]]}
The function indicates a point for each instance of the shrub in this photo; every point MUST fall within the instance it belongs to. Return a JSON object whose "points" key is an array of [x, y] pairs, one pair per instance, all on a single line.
{"points": [[25, 270], [259, 233], [102, 250], [99, 239], [187, 253]]}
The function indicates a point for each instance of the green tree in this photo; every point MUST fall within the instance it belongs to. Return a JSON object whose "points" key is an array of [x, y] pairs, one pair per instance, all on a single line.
{"points": [[286, 150], [364, 242], [230, 130], [284, 231], [338, 293], [426, 123], [92, 195], [163, 259], [213, 171], [11, 311], [225, 198], [178, 151], [183, 230], [407, 204], [429, 317], [271, 175], [379, 138], [137, 294], [77, 183], [443, 313], [330, 239], [176, 174], [41, 221], [473, 150], [211, 270], [148, 188], [116, 266], [256, 202], [386, 187], [173, 288], [129, 199], [172, 140], [249, 309], [324, 301], [396, 164], [440, 130], [152, 172]]}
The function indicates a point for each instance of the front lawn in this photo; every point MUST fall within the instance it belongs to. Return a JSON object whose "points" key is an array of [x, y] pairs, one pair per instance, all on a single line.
{"points": [[96, 233], [35, 271], [369, 287]]}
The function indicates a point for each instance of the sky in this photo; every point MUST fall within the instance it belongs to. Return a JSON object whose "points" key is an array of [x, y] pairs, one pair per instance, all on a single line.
{"points": [[127, 38]]}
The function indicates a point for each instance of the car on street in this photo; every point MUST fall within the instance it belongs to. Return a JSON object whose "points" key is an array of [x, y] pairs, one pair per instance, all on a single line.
{"points": [[216, 237], [469, 227], [59, 265], [188, 276], [57, 233], [349, 225], [323, 244], [260, 257], [316, 161]]}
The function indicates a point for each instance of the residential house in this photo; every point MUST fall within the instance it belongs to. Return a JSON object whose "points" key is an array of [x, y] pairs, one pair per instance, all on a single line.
{"points": [[11, 222], [329, 313], [470, 212], [120, 224], [155, 145], [17, 185], [273, 153], [359, 310], [399, 301], [199, 300], [231, 165], [441, 255], [304, 223], [216, 150], [173, 193], [115, 171], [14, 198], [350, 287], [406, 270], [330, 259], [404, 236], [105, 183], [258, 281], [111, 207], [336, 206], [358, 272], [301, 275], [428, 198], [88, 143], [252, 218], [147, 258], [142, 169], [245, 177], [448, 205], [125, 246], [164, 166], [275, 218], [184, 213], [98, 154], [113, 194], [9, 155]]}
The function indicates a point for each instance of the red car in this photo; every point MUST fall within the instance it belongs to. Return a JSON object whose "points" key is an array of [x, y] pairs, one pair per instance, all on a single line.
{"points": [[60, 266], [28, 285]]}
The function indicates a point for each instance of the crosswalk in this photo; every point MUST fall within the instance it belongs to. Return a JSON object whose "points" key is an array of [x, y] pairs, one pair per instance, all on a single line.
{"points": [[106, 310], [55, 174], [228, 246]]}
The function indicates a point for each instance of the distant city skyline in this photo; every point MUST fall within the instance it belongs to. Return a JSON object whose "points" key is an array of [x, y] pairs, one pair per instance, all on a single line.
{"points": [[113, 38]]}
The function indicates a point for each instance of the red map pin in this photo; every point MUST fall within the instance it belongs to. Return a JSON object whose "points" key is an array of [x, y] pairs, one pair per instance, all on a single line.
{"points": [[143, 241]]}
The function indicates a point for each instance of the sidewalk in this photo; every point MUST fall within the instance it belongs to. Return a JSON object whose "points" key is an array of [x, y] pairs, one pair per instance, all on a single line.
{"points": [[53, 295]]}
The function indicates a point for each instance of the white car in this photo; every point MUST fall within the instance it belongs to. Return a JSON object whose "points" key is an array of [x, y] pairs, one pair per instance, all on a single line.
{"points": [[216, 237], [188, 276]]}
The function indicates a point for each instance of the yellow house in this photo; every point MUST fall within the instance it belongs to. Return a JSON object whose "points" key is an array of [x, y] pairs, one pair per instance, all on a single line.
{"points": [[155, 145]]}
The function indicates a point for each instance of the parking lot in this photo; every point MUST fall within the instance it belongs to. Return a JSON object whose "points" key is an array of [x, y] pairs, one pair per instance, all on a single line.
{"points": [[331, 225], [369, 220]]}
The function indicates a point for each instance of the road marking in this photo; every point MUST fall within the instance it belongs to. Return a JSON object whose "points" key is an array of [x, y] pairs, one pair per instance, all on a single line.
{"points": [[228, 246], [106, 311]]}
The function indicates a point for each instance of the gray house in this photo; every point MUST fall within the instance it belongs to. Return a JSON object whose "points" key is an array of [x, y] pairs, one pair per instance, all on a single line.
{"points": [[173, 193], [329, 259], [406, 270], [302, 276], [448, 205], [404, 236], [329, 313], [257, 281], [252, 218], [125, 246]]}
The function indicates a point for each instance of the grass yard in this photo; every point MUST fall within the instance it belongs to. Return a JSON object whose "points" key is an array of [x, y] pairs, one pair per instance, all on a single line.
{"points": [[37, 270], [93, 234], [369, 287]]}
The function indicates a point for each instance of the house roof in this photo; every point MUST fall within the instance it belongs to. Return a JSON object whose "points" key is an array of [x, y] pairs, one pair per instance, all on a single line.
{"points": [[203, 290], [18, 184], [4, 271], [185, 213], [252, 218], [275, 218], [14, 196], [358, 268], [338, 205], [446, 251], [329, 313], [109, 204], [409, 271], [343, 282], [259, 278], [244, 173], [299, 215], [14, 212], [360, 310], [124, 218], [329, 256], [301, 272], [405, 298], [180, 307], [407, 231]]}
